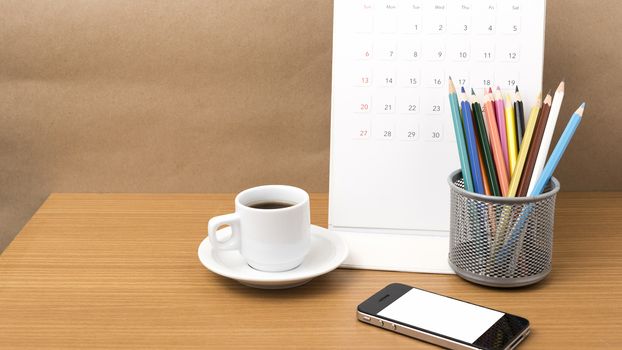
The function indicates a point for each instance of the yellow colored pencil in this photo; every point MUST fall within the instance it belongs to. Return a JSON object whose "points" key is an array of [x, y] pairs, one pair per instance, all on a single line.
{"points": [[524, 147], [510, 128]]}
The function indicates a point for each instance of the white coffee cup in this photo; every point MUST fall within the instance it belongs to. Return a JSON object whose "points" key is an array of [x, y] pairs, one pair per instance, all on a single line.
{"points": [[269, 239]]}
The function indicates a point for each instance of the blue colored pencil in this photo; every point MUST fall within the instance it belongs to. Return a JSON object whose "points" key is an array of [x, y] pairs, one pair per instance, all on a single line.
{"points": [[469, 131], [544, 178], [458, 129], [559, 150]]}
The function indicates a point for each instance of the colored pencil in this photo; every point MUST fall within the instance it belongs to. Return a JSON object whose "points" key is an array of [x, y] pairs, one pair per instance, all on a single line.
{"points": [[547, 137], [534, 147], [495, 145], [500, 111], [546, 175], [480, 150], [510, 128], [469, 133], [482, 166], [559, 150], [485, 111], [460, 140], [524, 147], [491, 173], [519, 113], [480, 154]]}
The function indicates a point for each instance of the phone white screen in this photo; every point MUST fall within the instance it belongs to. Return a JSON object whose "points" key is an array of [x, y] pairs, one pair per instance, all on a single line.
{"points": [[442, 315]]}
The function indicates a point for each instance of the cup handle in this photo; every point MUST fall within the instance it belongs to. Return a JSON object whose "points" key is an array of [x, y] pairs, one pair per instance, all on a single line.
{"points": [[233, 242]]}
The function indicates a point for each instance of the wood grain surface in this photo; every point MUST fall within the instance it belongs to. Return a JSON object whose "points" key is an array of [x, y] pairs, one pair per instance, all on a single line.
{"points": [[121, 271]]}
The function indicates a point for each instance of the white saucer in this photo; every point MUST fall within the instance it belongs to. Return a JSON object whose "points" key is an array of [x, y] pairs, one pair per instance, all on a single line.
{"points": [[327, 252]]}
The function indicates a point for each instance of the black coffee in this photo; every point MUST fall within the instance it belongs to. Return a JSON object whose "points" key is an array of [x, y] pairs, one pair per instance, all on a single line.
{"points": [[270, 205]]}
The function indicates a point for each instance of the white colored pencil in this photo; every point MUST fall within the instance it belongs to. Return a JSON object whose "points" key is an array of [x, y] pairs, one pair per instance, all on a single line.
{"points": [[547, 137]]}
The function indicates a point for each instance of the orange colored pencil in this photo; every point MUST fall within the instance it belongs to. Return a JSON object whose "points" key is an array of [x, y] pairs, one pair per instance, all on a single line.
{"points": [[495, 144], [486, 109]]}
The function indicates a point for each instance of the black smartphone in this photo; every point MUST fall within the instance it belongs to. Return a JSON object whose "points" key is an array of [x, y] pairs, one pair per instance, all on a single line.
{"points": [[441, 320]]}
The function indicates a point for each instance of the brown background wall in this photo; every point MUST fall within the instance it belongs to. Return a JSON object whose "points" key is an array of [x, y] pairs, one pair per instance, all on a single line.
{"points": [[216, 96]]}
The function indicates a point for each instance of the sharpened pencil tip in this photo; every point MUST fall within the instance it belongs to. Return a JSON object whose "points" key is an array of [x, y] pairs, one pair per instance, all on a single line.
{"points": [[580, 109], [498, 88], [560, 88], [498, 95], [462, 90], [452, 88], [490, 90], [450, 77], [516, 90], [472, 91], [539, 99]]}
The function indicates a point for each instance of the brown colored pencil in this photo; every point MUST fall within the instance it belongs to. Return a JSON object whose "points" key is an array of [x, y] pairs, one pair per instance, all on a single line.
{"points": [[538, 133]]}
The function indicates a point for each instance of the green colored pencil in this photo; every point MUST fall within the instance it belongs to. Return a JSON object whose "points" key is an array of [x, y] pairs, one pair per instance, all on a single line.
{"points": [[491, 173], [459, 130]]}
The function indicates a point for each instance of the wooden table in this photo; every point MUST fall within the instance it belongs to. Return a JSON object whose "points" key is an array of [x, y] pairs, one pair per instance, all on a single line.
{"points": [[121, 271]]}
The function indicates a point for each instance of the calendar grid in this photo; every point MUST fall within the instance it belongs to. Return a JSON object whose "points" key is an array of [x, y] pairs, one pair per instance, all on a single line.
{"points": [[392, 139]]}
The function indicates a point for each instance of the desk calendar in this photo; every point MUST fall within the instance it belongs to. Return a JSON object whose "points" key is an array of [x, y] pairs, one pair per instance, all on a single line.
{"points": [[392, 141]]}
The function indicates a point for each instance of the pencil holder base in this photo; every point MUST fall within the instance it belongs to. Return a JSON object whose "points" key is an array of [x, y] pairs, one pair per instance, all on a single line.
{"points": [[498, 282], [501, 241]]}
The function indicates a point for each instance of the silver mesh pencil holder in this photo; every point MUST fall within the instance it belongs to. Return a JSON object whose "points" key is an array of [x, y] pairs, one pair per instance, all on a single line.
{"points": [[501, 241]]}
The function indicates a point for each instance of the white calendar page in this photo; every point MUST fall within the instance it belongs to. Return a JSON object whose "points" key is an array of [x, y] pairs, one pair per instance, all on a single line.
{"points": [[392, 139]]}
